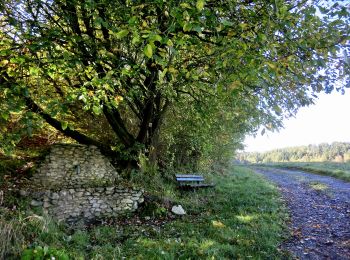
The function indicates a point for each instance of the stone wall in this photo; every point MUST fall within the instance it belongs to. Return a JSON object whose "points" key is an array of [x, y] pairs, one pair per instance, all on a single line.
{"points": [[69, 165], [77, 182], [88, 203]]}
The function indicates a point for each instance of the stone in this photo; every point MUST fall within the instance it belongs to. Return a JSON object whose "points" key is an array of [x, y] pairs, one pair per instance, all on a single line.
{"points": [[109, 192], [127, 201], [36, 203], [110, 189], [23, 193], [95, 205], [55, 196], [178, 210], [139, 194], [79, 194], [46, 204]]}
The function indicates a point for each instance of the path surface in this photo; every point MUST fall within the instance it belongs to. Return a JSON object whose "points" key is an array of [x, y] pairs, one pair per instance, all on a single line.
{"points": [[320, 219]]}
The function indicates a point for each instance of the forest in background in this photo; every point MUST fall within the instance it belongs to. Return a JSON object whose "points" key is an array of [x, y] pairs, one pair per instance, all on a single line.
{"points": [[335, 152]]}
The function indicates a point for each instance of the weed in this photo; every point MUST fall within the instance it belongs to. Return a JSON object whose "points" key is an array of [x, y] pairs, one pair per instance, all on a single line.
{"points": [[12, 238], [45, 252], [318, 186]]}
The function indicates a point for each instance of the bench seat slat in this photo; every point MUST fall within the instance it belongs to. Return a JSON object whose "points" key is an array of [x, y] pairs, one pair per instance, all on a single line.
{"points": [[197, 185], [190, 179]]}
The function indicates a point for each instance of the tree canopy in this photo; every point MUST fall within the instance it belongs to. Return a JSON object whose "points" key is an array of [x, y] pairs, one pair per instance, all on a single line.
{"points": [[165, 77]]}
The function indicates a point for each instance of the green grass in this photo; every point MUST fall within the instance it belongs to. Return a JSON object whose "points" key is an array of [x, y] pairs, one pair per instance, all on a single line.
{"points": [[241, 218], [336, 170], [317, 186]]}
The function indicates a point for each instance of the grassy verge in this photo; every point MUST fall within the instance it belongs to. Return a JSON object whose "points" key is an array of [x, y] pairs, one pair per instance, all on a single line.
{"points": [[242, 217], [336, 170]]}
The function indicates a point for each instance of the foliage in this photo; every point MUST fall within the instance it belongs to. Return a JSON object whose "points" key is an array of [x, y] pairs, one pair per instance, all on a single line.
{"points": [[126, 76], [337, 152], [44, 253]]}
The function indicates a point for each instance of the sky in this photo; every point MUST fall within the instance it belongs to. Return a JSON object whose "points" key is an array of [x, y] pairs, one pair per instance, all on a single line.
{"points": [[327, 121]]}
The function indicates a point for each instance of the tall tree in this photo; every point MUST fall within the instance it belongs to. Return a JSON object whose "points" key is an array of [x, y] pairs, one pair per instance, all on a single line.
{"points": [[106, 72]]}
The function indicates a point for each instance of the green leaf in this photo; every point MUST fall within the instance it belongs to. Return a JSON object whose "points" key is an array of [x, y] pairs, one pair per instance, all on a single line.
{"points": [[277, 109], [185, 5], [226, 23], [18, 60], [96, 110], [121, 34], [64, 125], [33, 71], [135, 39], [197, 28], [133, 20], [272, 65], [162, 75], [200, 5], [5, 115], [148, 51], [157, 37], [187, 27], [169, 43]]}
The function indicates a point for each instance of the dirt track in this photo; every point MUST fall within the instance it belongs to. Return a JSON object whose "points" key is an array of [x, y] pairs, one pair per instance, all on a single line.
{"points": [[320, 213]]}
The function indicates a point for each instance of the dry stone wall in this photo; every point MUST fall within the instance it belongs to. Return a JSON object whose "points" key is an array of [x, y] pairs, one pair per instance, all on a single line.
{"points": [[69, 165], [78, 182], [88, 203]]}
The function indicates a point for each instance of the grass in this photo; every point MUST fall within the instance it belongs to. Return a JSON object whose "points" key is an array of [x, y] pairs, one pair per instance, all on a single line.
{"points": [[241, 218], [317, 186], [333, 169]]}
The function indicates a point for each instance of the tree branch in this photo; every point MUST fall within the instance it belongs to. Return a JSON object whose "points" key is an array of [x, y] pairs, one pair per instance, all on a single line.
{"points": [[79, 137]]}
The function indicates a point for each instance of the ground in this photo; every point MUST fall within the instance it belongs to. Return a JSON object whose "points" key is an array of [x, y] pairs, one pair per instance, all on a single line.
{"points": [[241, 217], [319, 210]]}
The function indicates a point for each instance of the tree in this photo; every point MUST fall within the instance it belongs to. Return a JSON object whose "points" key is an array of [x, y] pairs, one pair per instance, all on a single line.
{"points": [[108, 72]]}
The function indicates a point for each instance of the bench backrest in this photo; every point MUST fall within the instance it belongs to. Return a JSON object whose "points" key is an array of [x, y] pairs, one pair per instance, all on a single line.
{"points": [[189, 178]]}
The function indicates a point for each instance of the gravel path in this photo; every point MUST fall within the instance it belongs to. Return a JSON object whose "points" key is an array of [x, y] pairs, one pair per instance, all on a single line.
{"points": [[320, 213]]}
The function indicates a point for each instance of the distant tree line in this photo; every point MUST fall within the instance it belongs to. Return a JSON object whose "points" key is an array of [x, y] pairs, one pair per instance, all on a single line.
{"points": [[337, 152]]}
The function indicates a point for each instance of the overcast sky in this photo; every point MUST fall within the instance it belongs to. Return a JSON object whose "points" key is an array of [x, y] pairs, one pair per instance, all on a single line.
{"points": [[325, 122]]}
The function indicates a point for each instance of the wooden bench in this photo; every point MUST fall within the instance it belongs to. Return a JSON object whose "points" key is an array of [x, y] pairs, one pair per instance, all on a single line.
{"points": [[190, 181]]}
